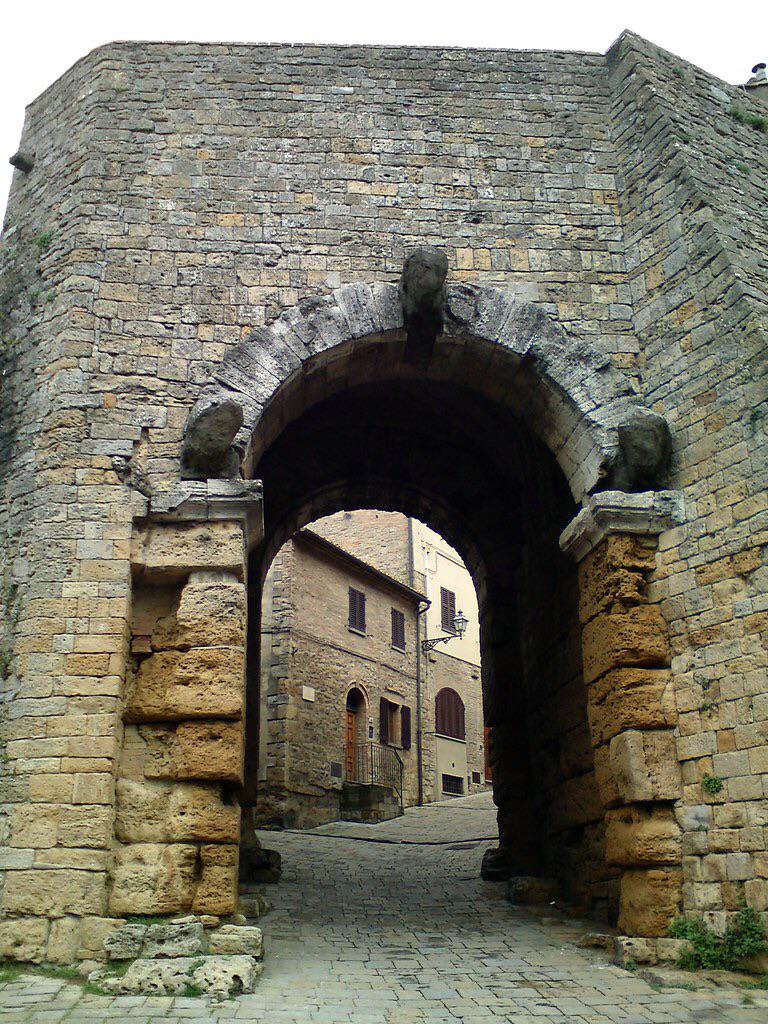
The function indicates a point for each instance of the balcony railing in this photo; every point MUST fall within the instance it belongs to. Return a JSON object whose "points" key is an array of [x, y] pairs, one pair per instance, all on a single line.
{"points": [[375, 764]]}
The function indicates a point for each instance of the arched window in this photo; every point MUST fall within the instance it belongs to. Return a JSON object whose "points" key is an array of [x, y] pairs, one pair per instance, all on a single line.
{"points": [[449, 714]]}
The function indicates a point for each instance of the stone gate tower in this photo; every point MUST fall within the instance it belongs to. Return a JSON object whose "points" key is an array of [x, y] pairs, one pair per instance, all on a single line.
{"points": [[203, 349]]}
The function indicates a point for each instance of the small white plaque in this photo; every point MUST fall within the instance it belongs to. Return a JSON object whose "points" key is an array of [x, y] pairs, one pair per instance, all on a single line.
{"points": [[307, 693]]}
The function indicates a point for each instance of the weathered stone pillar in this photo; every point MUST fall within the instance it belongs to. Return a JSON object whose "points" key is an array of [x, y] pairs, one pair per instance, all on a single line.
{"points": [[630, 700], [177, 822]]}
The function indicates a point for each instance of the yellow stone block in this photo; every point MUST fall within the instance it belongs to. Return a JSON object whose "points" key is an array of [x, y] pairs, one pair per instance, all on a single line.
{"points": [[55, 893], [650, 899], [217, 892], [640, 836], [636, 637], [175, 685], [171, 549], [153, 878]]}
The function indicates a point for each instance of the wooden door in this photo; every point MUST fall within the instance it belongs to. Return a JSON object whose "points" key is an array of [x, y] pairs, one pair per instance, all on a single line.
{"points": [[351, 739]]}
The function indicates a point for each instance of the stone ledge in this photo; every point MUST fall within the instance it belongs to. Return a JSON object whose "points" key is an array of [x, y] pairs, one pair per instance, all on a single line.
{"points": [[210, 501], [648, 513]]}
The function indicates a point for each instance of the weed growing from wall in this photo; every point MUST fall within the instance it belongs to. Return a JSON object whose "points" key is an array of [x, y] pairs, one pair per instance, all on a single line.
{"points": [[707, 950]]}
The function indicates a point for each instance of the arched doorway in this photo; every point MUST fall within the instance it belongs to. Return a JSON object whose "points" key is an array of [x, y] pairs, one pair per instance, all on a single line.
{"points": [[354, 731]]}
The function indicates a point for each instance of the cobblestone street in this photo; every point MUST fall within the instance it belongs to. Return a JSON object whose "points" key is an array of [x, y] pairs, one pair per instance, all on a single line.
{"points": [[391, 924]]}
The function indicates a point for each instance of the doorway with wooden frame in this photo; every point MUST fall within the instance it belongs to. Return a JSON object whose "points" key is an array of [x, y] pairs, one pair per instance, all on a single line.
{"points": [[355, 726]]}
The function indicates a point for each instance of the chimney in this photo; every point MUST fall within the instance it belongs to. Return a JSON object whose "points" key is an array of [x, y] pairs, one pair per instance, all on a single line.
{"points": [[758, 83]]}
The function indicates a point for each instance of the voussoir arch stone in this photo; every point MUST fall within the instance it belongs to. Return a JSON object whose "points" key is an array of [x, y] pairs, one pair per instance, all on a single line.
{"points": [[565, 388]]}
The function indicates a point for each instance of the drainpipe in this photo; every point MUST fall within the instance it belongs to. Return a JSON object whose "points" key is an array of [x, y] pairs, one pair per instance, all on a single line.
{"points": [[419, 758], [419, 613]]}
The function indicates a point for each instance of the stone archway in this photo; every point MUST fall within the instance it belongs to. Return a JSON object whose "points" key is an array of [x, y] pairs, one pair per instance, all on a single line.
{"points": [[547, 418], [566, 388]]}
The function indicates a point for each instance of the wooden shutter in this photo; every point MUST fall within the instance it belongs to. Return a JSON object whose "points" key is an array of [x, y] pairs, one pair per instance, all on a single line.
{"points": [[449, 714], [398, 629], [447, 610], [440, 716], [383, 720], [356, 609], [405, 727]]}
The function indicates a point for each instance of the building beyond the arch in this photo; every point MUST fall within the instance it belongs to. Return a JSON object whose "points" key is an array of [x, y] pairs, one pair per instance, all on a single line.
{"points": [[194, 221], [349, 709]]}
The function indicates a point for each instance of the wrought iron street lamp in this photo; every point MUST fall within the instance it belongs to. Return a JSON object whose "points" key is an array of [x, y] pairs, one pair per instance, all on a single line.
{"points": [[460, 621]]}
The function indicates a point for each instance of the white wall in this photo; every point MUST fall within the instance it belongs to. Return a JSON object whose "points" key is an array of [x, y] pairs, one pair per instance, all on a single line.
{"points": [[442, 566]]}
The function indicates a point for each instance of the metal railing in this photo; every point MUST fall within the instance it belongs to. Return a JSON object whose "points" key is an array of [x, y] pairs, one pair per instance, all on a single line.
{"points": [[375, 764]]}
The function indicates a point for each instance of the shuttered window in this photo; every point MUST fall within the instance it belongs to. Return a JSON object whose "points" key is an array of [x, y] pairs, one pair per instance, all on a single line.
{"points": [[394, 724], [356, 610], [405, 727], [449, 714], [447, 610], [398, 629]]}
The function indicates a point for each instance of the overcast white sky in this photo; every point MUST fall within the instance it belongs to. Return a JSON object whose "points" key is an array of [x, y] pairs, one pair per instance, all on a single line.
{"points": [[40, 39]]}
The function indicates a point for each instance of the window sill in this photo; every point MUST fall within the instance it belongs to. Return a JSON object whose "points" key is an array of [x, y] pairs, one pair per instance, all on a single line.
{"points": [[400, 650], [357, 632], [445, 736]]}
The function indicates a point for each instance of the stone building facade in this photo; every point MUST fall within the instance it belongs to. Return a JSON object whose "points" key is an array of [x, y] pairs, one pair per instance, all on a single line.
{"points": [[452, 672], [329, 681], [199, 224], [316, 666]]}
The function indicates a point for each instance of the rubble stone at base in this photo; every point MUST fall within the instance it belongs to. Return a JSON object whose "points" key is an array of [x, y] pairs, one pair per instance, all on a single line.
{"points": [[126, 942], [258, 864], [498, 864], [222, 976], [237, 939], [596, 940], [630, 950], [253, 905], [219, 976], [172, 958], [177, 938]]}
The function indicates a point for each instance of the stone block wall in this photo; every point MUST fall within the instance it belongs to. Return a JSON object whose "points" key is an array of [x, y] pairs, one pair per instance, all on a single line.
{"points": [[632, 716], [177, 818], [170, 210], [563, 785], [693, 203], [65, 526]]}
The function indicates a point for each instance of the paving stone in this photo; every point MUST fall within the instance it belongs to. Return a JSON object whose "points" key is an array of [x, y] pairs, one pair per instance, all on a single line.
{"points": [[390, 932]]}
